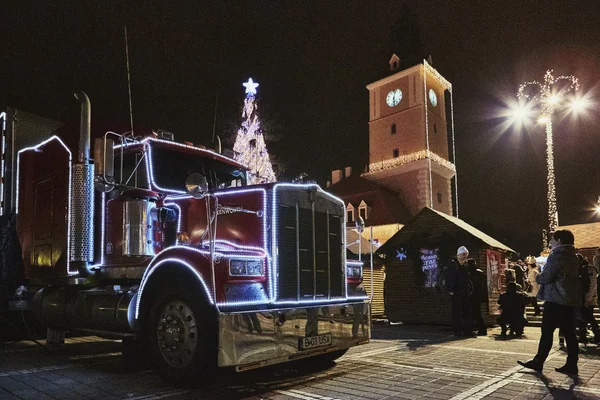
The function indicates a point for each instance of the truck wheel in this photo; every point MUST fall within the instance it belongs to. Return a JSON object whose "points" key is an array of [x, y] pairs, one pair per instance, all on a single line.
{"points": [[182, 336]]}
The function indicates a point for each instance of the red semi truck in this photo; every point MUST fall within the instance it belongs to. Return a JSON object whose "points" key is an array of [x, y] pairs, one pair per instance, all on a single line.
{"points": [[162, 244]]}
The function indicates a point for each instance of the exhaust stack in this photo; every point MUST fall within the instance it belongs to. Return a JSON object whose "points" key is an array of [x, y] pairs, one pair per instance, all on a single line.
{"points": [[84, 127], [82, 195]]}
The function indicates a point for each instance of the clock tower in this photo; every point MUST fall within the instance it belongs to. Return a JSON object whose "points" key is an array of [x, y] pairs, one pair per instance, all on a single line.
{"points": [[411, 135]]}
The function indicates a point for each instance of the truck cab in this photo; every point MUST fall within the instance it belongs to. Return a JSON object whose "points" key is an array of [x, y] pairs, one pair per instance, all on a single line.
{"points": [[164, 245]]}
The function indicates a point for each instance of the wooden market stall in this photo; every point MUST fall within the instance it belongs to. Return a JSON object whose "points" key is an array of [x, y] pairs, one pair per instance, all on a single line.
{"points": [[415, 258]]}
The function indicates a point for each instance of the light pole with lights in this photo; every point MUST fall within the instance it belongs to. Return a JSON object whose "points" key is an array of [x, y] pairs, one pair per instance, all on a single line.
{"points": [[546, 97]]}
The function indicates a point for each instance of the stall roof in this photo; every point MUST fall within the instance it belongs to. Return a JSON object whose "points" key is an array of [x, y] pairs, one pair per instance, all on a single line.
{"points": [[586, 235], [437, 223]]}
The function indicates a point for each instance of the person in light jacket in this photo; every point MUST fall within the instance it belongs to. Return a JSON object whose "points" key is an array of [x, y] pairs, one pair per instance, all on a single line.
{"points": [[533, 287], [560, 288]]}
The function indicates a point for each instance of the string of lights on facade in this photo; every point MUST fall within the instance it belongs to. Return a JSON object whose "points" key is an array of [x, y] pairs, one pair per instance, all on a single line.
{"points": [[418, 155], [250, 148]]}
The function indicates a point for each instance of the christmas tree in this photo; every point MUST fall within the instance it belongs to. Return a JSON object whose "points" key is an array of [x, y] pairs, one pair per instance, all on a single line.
{"points": [[249, 147]]}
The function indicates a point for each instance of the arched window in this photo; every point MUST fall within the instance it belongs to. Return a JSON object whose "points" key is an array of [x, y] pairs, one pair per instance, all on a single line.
{"points": [[396, 153], [439, 196], [393, 129]]}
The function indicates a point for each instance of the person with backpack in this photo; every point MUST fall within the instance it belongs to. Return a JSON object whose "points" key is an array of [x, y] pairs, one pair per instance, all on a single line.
{"points": [[588, 277]]}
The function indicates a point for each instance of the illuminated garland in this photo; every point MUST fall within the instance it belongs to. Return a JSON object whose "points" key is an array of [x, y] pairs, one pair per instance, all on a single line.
{"points": [[546, 96], [442, 81], [405, 159], [249, 147]]}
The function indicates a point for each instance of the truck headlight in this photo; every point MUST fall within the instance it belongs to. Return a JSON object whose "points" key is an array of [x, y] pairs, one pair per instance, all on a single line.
{"points": [[246, 267], [353, 271], [237, 267], [254, 267]]}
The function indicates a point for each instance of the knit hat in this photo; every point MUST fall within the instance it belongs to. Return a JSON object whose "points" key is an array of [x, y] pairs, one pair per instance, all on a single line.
{"points": [[462, 250]]}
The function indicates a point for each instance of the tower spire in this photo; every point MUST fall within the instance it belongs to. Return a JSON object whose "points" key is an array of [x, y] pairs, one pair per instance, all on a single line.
{"points": [[406, 39]]}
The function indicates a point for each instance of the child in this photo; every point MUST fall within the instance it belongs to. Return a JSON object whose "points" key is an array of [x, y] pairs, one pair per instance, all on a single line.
{"points": [[512, 303]]}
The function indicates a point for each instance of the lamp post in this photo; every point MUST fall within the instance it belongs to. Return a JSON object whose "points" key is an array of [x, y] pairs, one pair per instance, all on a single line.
{"points": [[546, 97]]}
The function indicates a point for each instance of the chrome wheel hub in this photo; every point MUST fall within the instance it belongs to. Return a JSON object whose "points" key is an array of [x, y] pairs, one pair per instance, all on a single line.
{"points": [[177, 333]]}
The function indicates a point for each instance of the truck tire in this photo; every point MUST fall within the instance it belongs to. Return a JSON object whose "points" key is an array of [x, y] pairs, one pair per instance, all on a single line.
{"points": [[182, 336]]}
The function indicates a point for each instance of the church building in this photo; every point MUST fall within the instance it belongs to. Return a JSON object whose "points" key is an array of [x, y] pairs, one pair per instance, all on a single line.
{"points": [[411, 142]]}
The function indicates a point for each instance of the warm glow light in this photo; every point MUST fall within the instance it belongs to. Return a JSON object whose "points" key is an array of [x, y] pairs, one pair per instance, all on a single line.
{"points": [[578, 105], [520, 111], [542, 120], [553, 99]]}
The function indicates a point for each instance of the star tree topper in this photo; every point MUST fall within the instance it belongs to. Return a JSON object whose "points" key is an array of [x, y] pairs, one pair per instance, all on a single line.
{"points": [[250, 86]]}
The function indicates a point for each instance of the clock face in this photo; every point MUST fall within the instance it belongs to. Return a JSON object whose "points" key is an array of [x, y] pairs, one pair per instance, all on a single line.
{"points": [[432, 97], [394, 97]]}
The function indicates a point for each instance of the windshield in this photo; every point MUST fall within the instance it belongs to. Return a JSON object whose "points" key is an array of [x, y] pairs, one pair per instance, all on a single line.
{"points": [[172, 167]]}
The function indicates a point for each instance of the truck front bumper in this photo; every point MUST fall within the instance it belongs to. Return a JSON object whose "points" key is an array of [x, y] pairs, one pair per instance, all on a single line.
{"points": [[250, 340]]}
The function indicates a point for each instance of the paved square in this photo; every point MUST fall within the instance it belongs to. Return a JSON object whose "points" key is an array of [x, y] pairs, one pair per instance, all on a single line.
{"points": [[401, 362]]}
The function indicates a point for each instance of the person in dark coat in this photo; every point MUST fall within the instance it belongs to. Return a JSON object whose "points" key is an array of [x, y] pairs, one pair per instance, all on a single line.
{"points": [[587, 277], [479, 295], [520, 275], [460, 289], [512, 303], [560, 288]]}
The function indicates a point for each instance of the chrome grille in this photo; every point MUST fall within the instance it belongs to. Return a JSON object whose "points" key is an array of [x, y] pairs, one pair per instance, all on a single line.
{"points": [[310, 249]]}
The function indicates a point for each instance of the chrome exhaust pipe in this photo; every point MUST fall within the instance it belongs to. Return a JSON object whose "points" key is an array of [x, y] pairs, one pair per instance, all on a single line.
{"points": [[82, 195]]}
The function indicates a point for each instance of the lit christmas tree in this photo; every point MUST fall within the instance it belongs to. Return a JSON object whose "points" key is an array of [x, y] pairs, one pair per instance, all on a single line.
{"points": [[249, 147]]}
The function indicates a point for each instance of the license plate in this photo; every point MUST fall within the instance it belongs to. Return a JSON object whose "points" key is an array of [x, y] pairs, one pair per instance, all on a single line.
{"points": [[315, 341]]}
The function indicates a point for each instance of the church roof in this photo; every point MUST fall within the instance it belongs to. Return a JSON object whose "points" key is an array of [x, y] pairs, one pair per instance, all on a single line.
{"points": [[586, 235], [436, 224], [386, 206], [406, 39]]}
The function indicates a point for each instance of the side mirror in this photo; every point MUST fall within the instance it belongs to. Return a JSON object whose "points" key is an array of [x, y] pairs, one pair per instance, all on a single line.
{"points": [[360, 224], [104, 165], [196, 185]]}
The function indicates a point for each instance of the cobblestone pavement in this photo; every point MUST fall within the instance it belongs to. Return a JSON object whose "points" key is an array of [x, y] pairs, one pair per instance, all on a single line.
{"points": [[401, 362]]}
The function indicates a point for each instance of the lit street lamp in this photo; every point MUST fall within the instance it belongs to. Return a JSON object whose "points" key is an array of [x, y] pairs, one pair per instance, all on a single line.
{"points": [[545, 98]]}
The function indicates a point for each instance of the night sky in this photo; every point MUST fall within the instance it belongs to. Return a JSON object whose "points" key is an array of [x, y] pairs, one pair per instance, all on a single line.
{"points": [[313, 61]]}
